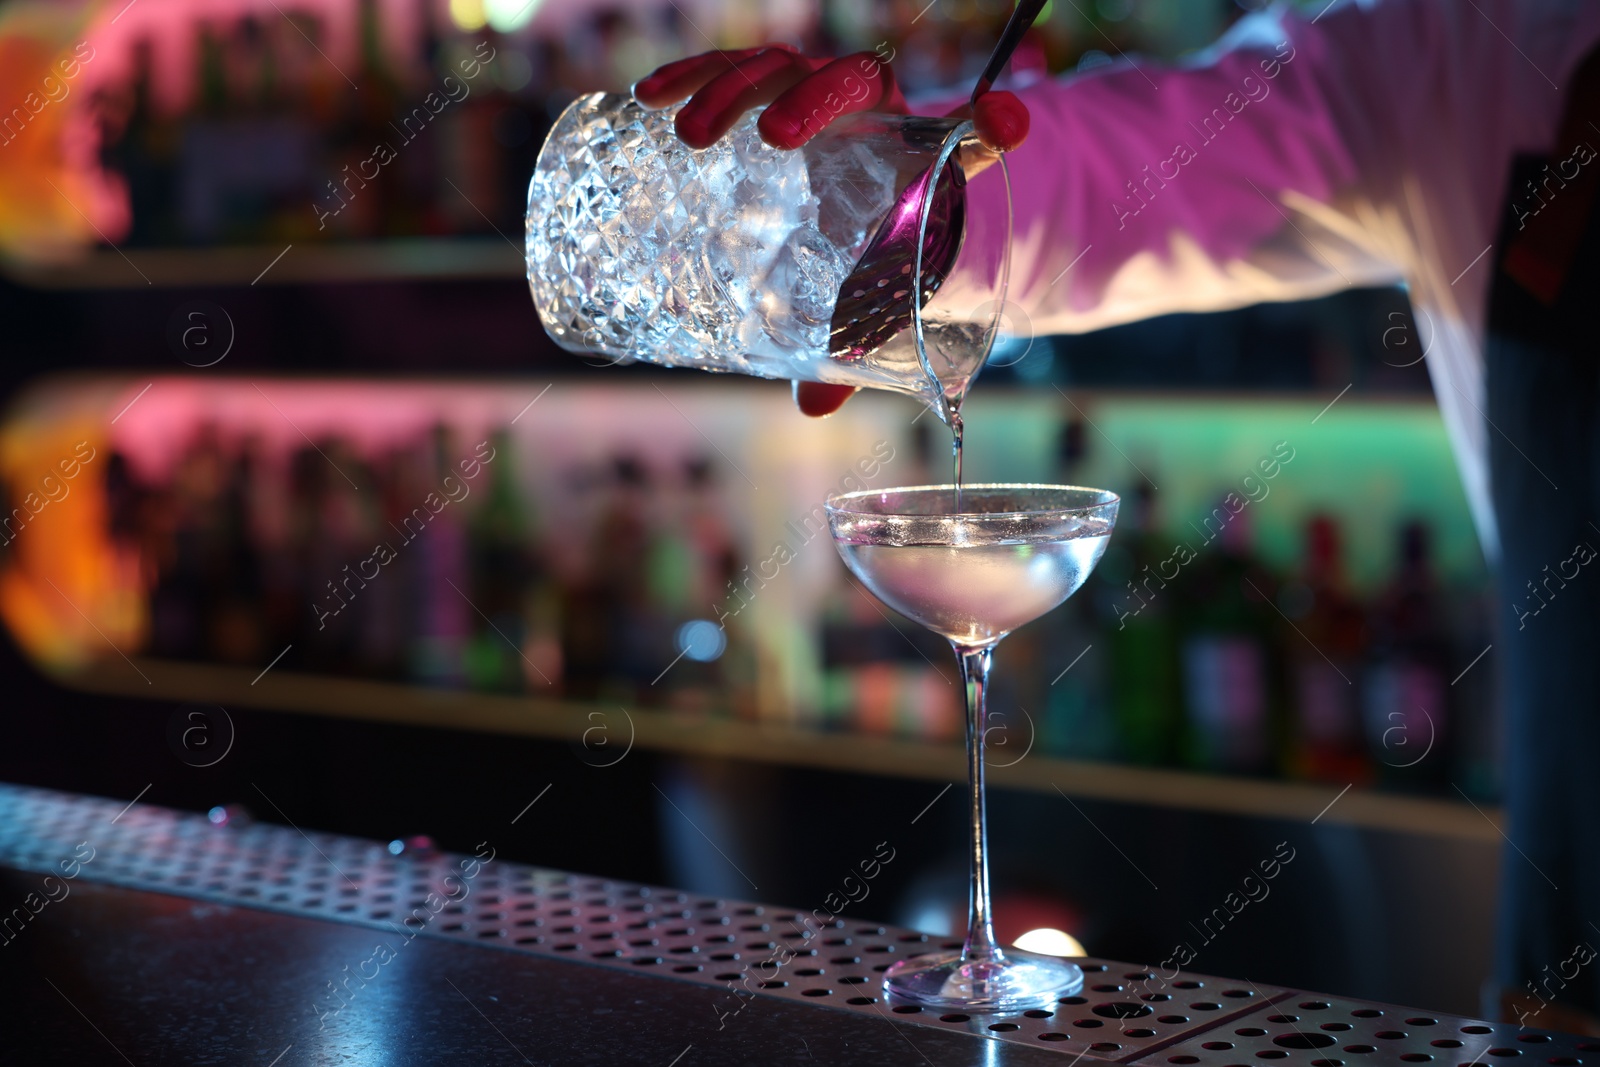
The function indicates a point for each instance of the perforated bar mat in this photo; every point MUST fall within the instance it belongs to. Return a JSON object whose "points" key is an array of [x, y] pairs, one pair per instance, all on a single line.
{"points": [[1126, 1014]]}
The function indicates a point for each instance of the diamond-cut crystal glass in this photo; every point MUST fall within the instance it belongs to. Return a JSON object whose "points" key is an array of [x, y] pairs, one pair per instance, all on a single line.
{"points": [[731, 258]]}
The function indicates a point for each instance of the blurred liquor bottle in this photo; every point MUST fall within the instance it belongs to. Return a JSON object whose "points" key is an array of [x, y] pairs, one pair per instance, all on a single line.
{"points": [[1138, 620], [1071, 673], [1327, 741], [374, 108], [674, 603], [472, 191], [714, 550], [237, 583], [703, 561], [345, 531], [446, 615], [634, 649], [581, 614], [124, 514], [244, 162], [393, 595], [141, 143], [419, 170], [504, 573], [1231, 690], [1408, 718], [211, 99], [885, 676], [275, 142], [177, 595]]}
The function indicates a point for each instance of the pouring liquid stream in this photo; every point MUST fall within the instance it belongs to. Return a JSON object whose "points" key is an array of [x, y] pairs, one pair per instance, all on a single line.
{"points": [[957, 432]]}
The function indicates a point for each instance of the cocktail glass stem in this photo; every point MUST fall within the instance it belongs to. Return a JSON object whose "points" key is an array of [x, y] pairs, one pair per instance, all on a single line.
{"points": [[980, 920]]}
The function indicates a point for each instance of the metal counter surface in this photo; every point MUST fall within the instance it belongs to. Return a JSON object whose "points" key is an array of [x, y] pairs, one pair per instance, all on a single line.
{"points": [[141, 935]]}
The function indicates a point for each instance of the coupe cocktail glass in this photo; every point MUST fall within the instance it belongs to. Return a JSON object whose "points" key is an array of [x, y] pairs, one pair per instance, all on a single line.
{"points": [[972, 572]]}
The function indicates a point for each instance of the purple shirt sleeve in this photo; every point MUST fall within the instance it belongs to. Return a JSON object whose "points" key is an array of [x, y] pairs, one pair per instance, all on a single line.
{"points": [[1366, 142], [1284, 162]]}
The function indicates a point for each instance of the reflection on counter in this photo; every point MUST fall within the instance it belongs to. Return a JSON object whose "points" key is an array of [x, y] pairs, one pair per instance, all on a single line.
{"points": [[1300, 621]]}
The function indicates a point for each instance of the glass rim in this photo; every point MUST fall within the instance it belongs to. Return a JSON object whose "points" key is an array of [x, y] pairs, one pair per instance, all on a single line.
{"points": [[837, 503], [959, 128]]}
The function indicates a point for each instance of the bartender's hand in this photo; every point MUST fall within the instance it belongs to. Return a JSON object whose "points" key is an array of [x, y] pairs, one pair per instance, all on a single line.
{"points": [[803, 95]]}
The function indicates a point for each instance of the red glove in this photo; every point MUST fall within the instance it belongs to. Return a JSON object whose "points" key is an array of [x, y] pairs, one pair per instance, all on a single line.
{"points": [[797, 89]]}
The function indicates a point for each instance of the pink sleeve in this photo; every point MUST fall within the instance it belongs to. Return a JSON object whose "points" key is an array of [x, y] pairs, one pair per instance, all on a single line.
{"points": [[1303, 154]]}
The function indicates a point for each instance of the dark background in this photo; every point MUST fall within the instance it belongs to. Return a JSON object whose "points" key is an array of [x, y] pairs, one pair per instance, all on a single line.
{"points": [[1367, 913]]}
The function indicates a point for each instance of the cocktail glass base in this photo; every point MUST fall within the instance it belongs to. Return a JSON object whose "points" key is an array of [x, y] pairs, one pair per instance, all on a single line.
{"points": [[1015, 981]]}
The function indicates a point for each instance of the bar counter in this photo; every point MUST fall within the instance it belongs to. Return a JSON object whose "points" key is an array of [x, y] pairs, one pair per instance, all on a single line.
{"points": [[140, 934]]}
